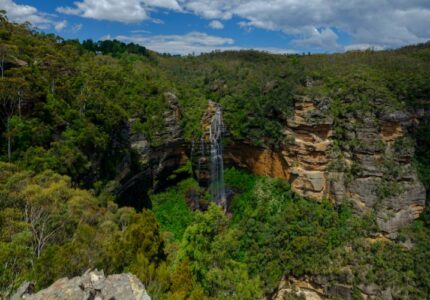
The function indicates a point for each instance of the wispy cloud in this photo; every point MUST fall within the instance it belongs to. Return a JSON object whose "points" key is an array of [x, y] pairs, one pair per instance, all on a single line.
{"points": [[60, 25], [77, 27], [193, 42], [215, 24]]}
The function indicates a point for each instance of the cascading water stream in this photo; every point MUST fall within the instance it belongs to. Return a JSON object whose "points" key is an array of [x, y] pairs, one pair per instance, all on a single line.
{"points": [[217, 165]]}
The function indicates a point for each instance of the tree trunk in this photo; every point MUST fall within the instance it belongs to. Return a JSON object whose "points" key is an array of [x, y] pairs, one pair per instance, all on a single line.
{"points": [[2, 66], [19, 104], [9, 144], [53, 87]]}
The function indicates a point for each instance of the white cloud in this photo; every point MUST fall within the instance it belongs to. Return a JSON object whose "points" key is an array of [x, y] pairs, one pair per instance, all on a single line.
{"points": [[106, 37], [26, 13], [215, 24], [157, 21], [22, 13], [126, 11], [77, 27], [363, 47], [196, 42], [212, 9], [389, 23], [169, 4], [112, 10], [60, 25], [193, 42], [310, 24], [321, 39], [141, 31]]}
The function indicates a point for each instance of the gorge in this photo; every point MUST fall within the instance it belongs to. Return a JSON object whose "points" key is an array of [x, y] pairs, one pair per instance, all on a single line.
{"points": [[225, 175], [306, 159]]}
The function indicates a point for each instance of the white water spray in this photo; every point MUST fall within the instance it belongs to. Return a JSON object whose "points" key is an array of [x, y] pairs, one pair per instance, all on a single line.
{"points": [[217, 165]]}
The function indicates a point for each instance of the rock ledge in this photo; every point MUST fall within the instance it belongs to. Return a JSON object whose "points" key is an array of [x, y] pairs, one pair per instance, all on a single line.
{"points": [[91, 285]]}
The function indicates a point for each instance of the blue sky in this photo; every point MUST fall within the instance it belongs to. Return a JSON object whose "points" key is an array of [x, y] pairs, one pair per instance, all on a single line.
{"points": [[280, 26]]}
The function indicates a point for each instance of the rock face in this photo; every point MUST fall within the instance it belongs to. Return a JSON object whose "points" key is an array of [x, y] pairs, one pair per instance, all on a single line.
{"points": [[155, 162], [91, 285], [379, 161], [300, 288], [306, 147], [370, 163], [365, 158], [320, 288]]}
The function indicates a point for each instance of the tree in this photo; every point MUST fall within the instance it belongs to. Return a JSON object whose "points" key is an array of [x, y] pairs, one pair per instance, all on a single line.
{"points": [[7, 51], [212, 251], [11, 94]]}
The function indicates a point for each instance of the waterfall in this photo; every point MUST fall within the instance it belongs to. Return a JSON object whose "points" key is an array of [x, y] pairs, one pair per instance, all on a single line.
{"points": [[217, 165], [202, 155]]}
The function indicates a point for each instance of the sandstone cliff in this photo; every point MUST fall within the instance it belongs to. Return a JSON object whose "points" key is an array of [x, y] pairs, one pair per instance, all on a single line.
{"points": [[321, 288], [365, 158], [370, 164]]}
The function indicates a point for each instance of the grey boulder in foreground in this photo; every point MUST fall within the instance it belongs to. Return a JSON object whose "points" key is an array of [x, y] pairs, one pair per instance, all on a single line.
{"points": [[91, 285]]}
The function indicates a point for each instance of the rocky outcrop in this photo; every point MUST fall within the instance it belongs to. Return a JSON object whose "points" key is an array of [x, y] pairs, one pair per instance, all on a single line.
{"points": [[303, 156], [154, 162], [258, 160], [91, 285], [300, 288], [324, 288], [365, 158], [306, 146], [368, 162], [377, 169]]}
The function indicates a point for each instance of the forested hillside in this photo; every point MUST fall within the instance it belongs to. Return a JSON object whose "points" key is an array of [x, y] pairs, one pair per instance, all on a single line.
{"points": [[102, 165]]}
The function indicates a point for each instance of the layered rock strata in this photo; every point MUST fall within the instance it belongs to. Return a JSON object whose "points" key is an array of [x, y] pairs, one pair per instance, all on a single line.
{"points": [[365, 158]]}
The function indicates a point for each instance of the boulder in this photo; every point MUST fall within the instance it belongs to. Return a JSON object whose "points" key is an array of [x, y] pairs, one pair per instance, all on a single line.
{"points": [[91, 285]]}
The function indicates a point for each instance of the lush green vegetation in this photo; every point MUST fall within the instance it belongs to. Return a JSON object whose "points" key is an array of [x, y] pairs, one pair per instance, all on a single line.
{"points": [[171, 208], [253, 88], [65, 110], [50, 229], [114, 47]]}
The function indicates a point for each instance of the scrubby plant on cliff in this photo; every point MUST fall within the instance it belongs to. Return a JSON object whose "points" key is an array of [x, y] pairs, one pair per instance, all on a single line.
{"points": [[422, 159]]}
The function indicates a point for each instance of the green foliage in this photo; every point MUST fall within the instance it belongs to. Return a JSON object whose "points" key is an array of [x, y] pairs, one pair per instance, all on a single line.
{"points": [[65, 122], [114, 47], [171, 209], [67, 109], [422, 159], [253, 88], [212, 252], [285, 234], [50, 230]]}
